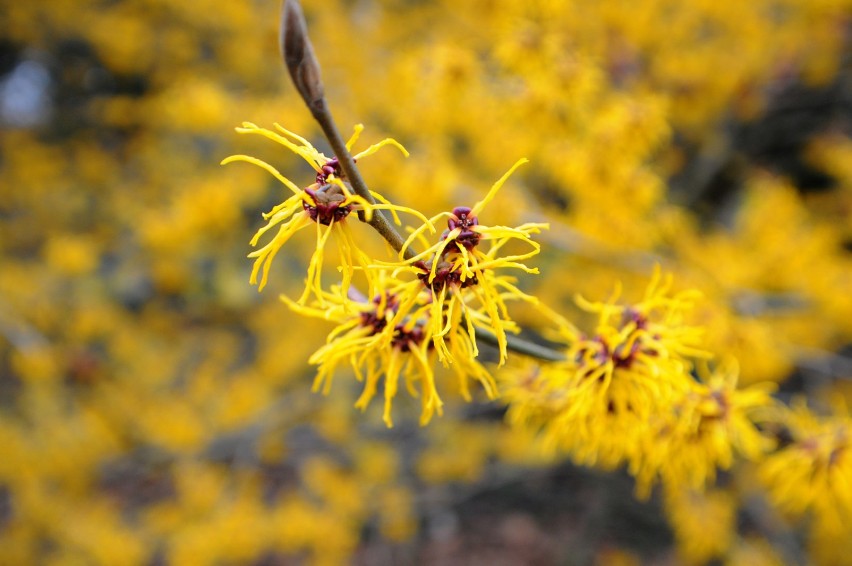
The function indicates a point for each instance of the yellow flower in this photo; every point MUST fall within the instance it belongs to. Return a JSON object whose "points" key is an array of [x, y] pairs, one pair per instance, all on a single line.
{"points": [[390, 338], [464, 232], [603, 404], [651, 329], [813, 474], [465, 291], [459, 307], [713, 422], [326, 203], [638, 359], [704, 523]]}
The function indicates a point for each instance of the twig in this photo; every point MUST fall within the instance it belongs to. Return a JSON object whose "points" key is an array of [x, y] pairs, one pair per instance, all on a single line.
{"points": [[828, 364], [521, 346], [304, 69]]}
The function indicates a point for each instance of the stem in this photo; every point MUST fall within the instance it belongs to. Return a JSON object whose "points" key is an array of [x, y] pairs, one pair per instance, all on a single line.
{"points": [[304, 69], [521, 346]]}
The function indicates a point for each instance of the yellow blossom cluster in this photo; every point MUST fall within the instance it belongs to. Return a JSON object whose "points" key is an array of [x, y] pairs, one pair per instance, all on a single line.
{"points": [[629, 394], [811, 475], [403, 323]]}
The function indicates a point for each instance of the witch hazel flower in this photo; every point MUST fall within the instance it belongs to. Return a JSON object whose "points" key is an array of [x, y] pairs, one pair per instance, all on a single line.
{"points": [[460, 242], [325, 204], [460, 273], [386, 341]]}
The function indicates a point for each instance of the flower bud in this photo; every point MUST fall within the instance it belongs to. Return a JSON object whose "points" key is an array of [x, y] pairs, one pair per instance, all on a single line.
{"points": [[298, 54]]}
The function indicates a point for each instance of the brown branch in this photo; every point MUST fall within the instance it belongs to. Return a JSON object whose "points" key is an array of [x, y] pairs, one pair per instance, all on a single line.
{"points": [[298, 54]]}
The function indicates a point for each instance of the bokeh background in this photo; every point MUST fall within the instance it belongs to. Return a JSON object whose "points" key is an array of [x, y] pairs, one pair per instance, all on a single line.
{"points": [[155, 409]]}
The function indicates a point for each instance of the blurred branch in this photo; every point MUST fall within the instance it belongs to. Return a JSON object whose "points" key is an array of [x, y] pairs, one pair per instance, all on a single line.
{"points": [[823, 362], [714, 155], [770, 526], [18, 332], [521, 346]]}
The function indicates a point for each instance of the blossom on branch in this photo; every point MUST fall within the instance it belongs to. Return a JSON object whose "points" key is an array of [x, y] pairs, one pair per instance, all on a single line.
{"points": [[812, 475], [465, 291], [326, 203], [705, 430], [629, 394], [388, 339]]}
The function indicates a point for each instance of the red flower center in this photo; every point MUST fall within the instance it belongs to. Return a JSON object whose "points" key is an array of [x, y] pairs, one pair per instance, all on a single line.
{"points": [[328, 204], [465, 221]]}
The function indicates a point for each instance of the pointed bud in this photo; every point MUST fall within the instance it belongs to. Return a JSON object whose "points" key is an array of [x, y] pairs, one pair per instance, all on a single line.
{"points": [[298, 54]]}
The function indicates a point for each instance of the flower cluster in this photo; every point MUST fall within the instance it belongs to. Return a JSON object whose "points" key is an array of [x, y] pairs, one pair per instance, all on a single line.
{"points": [[383, 341], [812, 474], [628, 395], [430, 305]]}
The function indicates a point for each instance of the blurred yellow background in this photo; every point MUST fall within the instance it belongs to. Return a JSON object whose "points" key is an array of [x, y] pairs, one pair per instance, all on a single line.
{"points": [[155, 409]]}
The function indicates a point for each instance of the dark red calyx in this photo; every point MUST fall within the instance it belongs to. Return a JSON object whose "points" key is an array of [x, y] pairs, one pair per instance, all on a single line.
{"points": [[462, 219], [328, 204], [444, 275], [407, 340], [378, 320], [331, 167]]}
